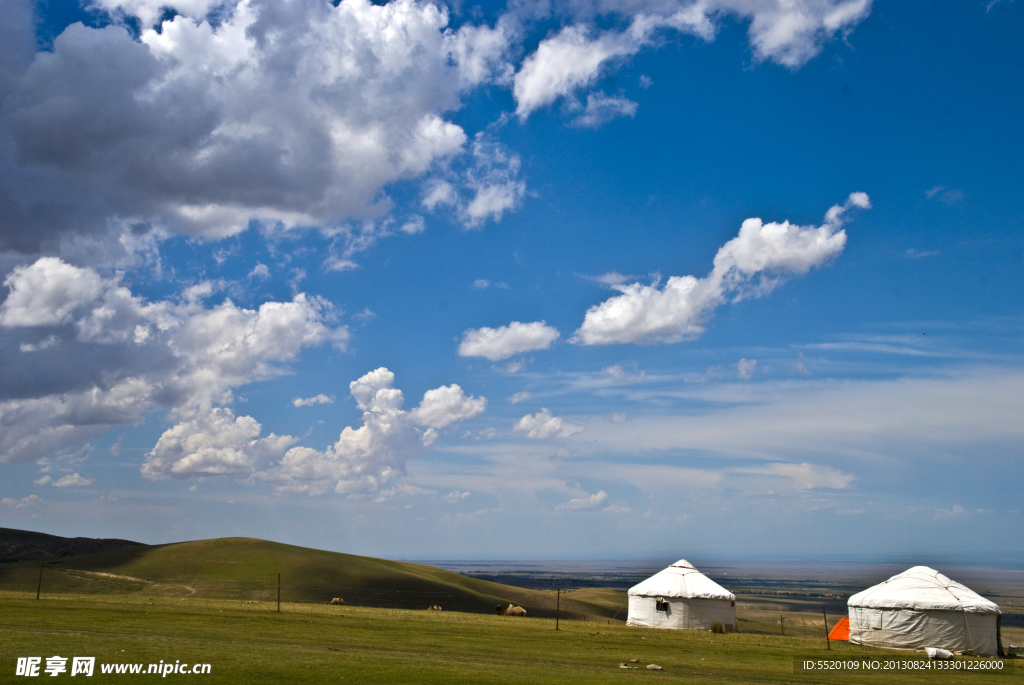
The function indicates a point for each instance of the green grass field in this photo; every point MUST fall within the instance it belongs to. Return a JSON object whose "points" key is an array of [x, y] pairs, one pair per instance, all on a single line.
{"points": [[311, 643]]}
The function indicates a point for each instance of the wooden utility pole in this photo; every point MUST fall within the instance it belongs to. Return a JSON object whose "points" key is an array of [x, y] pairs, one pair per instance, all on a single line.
{"points": [[39, 587], [828, 643], [278, 593], [558, 605], [782, 622]]}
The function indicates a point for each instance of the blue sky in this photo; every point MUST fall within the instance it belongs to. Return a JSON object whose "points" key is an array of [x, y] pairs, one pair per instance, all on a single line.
{"points": [[733, 279]]}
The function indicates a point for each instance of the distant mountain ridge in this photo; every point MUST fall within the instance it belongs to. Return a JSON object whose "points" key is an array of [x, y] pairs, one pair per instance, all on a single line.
{"points": [[25, 545]]}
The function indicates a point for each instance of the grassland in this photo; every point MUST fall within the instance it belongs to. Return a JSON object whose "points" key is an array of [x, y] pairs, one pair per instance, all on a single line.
{"points": [[249, 642], [247, 569], [214, 601]]}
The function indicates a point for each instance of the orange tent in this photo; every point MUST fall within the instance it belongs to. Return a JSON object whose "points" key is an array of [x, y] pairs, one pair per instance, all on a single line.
{"points": [[841, 631]]}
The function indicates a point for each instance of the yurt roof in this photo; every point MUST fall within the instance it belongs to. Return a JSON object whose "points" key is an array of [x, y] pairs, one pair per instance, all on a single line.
{"points": [[922, 589], [681, 579]]}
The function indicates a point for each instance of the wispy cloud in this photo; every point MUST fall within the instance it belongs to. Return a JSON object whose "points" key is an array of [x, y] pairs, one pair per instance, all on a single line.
{"points": [[949, 196]]}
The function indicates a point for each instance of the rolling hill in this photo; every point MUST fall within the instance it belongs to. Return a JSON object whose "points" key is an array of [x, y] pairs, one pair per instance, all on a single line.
{"points": [[246, 569]]}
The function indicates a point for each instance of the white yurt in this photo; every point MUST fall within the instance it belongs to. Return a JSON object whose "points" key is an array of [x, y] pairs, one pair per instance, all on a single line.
{"points": [[922, 608], [683, 598]]}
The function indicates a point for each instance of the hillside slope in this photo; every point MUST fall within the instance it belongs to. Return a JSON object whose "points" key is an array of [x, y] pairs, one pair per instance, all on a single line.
{"points": [[246, 569], [25, 545]]}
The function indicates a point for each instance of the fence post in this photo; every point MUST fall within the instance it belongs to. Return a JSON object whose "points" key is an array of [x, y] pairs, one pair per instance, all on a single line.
{"points": [[558, 605], [782, 622], [278, 593], [828, 643], [39, 587]]}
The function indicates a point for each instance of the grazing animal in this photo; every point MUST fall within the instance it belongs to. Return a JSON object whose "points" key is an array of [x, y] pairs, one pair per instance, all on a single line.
{"points": [[434, 607], [513, 610], [336, 601], [500, 609]]}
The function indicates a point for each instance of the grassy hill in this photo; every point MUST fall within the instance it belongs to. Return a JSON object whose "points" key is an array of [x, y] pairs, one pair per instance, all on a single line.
{"points": [[246, 569], [27, 546]]}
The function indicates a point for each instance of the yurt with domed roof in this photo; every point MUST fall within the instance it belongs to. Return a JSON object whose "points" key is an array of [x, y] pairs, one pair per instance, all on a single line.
{"points": [[681, 598], [922, 608]]}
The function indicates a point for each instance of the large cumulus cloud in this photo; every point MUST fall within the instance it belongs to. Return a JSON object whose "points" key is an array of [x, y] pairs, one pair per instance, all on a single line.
{"points": [[364, 458], [295, 113], [306, 113], [80, 353]]}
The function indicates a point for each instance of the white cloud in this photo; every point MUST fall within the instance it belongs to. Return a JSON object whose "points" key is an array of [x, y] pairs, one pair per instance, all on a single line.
{"points": [[310, 401], [587, 502], [956, 511], [500, 343], [37, 427], [47, 292], [120, 355], [438, 192], [620, 375], [30, 502], [543, 425], [570, 60], [376, 453], [513, 366], [45, 480], [413, 225], [784, 32], [485, 188], [752, 264], [303, 114], [520, 396], [72, 480], [446, 405], [299, 114], [791, 33], [260, 271], [481, 283], [455, 496], [612, 278], [745, 368], [602, 108], [494, 183], [214, 444]]}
